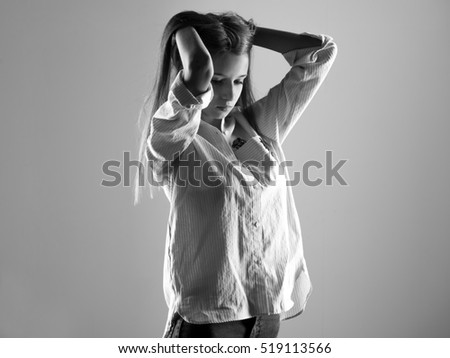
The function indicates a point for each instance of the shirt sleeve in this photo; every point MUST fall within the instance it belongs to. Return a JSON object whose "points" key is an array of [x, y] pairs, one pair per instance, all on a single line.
{"points": [[278, 112], [176, 122]]}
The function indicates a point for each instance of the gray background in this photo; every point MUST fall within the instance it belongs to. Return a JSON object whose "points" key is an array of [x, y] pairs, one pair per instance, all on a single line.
{"points": [[77, 259]]}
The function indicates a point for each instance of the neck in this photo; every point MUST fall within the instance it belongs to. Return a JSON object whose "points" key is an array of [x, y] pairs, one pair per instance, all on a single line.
{"points": [[214, 122]]}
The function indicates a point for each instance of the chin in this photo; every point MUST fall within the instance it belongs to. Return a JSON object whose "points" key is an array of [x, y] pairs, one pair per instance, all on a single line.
{"points": [[215, 114], [223, 114]]}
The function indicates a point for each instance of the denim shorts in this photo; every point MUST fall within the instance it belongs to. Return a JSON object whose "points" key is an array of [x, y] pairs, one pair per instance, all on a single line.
{"points": [[266, 326]]}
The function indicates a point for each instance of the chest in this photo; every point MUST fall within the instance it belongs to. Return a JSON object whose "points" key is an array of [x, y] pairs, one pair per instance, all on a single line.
{"points": [[239, 136], [236, 141], [237, 132]]}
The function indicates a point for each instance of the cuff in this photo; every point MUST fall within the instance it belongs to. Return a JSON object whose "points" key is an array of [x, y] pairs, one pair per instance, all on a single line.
{"points": [[180, 93], [308, 54]]}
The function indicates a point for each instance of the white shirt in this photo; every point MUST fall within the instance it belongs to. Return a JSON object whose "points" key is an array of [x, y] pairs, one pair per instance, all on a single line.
{"points": [[234, 251]]}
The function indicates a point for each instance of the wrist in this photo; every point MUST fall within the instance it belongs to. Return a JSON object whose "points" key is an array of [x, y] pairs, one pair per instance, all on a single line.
{"points": [[251, 26]]}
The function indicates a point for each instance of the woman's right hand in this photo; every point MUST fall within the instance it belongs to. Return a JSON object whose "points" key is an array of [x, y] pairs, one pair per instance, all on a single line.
{"points": [[196, 60]]}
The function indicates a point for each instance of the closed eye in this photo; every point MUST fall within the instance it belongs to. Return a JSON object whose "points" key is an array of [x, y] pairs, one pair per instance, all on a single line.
{"points": [[219, 81]]}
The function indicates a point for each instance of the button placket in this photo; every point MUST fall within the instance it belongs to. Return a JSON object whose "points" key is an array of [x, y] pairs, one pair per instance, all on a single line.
{"points": [[256, 212]]}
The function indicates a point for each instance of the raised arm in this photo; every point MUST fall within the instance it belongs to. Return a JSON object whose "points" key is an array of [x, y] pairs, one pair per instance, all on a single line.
{"points": [[196, 60], [282, 41], [175, 123], [310, 57]]}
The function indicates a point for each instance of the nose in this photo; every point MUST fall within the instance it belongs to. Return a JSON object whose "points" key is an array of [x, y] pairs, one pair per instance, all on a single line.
{"points": [[228, 92]]}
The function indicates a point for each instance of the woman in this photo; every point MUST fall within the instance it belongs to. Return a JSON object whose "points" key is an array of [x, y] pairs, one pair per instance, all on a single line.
{"points": [[234, 264]]}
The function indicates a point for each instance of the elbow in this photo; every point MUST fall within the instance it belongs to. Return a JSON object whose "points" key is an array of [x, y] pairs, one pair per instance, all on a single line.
{"points": [[197, 76], [332, 52], [201, 66], [326, 54], [331, 47]]}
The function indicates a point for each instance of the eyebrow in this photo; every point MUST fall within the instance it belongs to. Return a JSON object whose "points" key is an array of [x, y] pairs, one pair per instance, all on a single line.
{"points": [[219, 74]]}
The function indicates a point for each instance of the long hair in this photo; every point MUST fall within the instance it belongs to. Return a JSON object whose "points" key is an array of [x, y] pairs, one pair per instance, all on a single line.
{"points": [[224, 32]]}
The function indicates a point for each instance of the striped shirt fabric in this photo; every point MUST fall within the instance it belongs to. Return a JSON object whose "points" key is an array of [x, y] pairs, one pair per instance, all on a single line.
{"points": [[233, 244]]}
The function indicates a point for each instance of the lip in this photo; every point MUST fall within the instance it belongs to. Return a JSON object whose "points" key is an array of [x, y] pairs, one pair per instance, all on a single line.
{"points": [[224, 108]]}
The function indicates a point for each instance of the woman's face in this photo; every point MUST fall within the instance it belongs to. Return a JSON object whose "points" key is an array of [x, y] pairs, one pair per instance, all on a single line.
{"points": [[230, 71]]}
